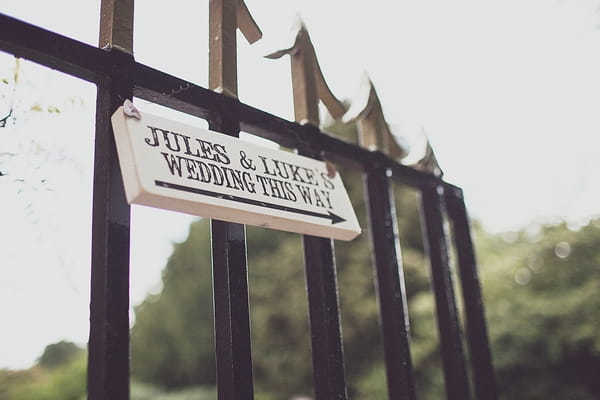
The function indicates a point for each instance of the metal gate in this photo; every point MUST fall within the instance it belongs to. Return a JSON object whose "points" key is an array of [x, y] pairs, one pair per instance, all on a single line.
{"points": [[118, 76]]}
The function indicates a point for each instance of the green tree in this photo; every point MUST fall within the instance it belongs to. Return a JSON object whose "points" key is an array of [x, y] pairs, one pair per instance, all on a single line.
{"points": [[58, 354], [542, 297], [61, 382], [172, 339]]}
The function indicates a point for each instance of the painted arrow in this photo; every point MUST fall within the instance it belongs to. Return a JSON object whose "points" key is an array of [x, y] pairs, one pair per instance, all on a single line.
{"points": [[333, 217]]}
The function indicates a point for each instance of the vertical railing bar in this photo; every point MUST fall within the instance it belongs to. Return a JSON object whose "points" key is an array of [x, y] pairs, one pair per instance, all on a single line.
{"points": [[455, 374], [323, 303], [326, 338], [108, 346], [230, 293], [390, 284], [108, 359], [233, 349], [308, 88], [477, 336]]}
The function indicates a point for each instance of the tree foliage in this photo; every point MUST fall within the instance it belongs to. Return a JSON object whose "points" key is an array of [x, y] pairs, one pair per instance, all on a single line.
{"points": [[57, 354], [61, 382], [172, 340], [542, 296]]}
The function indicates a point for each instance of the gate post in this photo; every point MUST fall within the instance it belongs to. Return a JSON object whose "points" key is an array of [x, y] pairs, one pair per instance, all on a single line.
{"points": [[455, 373], [108, 353]]}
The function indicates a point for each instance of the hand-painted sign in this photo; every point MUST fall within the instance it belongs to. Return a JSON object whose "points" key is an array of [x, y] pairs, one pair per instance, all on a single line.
{"points": [[178, 167]]}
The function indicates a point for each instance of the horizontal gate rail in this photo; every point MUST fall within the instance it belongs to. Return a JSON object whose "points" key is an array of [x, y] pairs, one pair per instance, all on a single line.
{"points": [[93, 64], [53, 50]]}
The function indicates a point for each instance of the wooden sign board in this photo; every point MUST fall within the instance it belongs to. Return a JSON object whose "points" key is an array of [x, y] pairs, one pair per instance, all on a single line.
{"points": [[170, 165]]}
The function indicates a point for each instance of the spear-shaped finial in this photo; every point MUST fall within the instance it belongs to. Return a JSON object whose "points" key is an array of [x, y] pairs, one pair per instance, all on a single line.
{"points": [[374, 132], [429, 162], [225, 17], [308, 83]]}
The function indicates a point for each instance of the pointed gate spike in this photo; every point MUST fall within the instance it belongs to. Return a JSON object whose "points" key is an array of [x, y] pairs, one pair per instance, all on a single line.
{"points": [[226, 16], [374, 131], [307, 79], [429, 162], [247, 24]]}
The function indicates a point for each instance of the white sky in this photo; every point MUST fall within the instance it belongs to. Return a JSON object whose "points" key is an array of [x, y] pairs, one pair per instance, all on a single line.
{"points": [[507, 91]]}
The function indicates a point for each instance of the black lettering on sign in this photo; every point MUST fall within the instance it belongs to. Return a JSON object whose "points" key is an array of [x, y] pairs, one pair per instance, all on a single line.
{"points": [[284, 170], [173, 162], [279, 179], [326, 195], [276, 188], [192, 169], [290, 191], [266, 166], [296, 176], [318, 201], [218, 175], [221, 153], [305, 193], [327, 181], [154, 141], [246, 162], [320, 198], [198, 148], [167, 140]]}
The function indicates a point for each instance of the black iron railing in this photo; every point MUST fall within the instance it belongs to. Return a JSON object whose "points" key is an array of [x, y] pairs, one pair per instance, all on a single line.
{"points": [[118, 77]]}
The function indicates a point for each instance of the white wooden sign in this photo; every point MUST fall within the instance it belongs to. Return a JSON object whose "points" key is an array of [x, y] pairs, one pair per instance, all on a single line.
{"points": [[178, 167]]}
